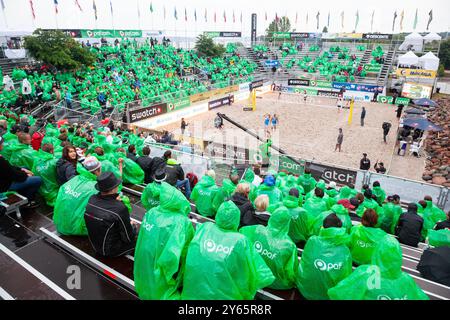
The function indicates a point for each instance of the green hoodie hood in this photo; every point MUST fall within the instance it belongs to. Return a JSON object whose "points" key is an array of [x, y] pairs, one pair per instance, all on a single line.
{"points": [[290, 201], [207, 181], [171, 199], [279, 221], [336, 236], [44, 155], [321, 185], [228, 186], [249, 175], [19, 147], [83, 172], [228, 216], [345, 192], [339, 209], [388, 256]]}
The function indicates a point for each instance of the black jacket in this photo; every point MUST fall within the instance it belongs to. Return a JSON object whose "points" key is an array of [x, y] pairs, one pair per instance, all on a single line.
{"points": [[108, 224], [64, 171], [409, 229], [174, 172], [132, 156], [246, 208], [10, 174], [250, 219], [443, 225], [146, 163], [364, 164]]}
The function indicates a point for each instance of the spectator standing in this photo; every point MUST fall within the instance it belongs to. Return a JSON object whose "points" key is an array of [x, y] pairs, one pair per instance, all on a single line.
{"points": [[184, 124], [364, 164], [363, 116], [399, 111], [386, 127]]}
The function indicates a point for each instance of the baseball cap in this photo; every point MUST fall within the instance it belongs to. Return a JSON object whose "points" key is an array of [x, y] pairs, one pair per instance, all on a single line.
{"points": [[91, 164], [332, 184]]}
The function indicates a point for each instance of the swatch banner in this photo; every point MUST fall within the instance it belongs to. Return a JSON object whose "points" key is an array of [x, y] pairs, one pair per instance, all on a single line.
{"points": [[377, 36], [147, 112], [111, 33], [221, 102], [339, 175], [298, 82], [357, 87]]}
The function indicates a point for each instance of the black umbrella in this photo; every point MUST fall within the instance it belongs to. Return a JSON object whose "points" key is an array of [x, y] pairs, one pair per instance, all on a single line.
{"points": [[414, 111], [434, 265]]}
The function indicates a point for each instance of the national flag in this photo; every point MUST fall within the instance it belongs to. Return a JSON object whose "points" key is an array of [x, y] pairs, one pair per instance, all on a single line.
{"points": [[296, 17], [214, 17], [402, 15], [111, 7], [164, 9], [3, 5], [32, 9], [328, 22], [78, 5], [241, 16], [393, 21], [151, 7], [371, 21], [206, 16], [94, 7], [224, 16], [357, 19], [430, 17], [175, 13], [138, 10], [415, 20], [307, 18], [342, 19], [195, 15], [56, 6], [276, 17], [234, 18], [317, 18], [185, 14]]}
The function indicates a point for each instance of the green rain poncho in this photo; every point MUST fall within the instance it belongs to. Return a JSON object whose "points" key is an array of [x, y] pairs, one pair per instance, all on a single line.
{"points": [[369, 204], [291, 182], [276, 248], [346, 193], [363, 241], [22, 155], [132, 173], [203, 195], [325, 261], [268, 188], [223, 194], [307, 182], [221, 263], [389, 218], [151, 195], [45, 167], [315, 205], [161, 247], [340, 211], [382, 280], [431, 215], [298, 228], [71, 202], [439, 238], [380, 194]]}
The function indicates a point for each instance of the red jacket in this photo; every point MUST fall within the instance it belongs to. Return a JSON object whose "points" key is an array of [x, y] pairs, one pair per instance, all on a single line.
{"points": [[36, 140]]}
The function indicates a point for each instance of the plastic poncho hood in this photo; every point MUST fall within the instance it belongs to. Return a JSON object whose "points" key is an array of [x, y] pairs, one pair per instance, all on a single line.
{"points": [[228, 216]]}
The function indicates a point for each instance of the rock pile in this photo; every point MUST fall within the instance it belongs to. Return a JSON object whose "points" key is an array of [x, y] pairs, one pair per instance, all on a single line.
{"points": [[437, 169]]}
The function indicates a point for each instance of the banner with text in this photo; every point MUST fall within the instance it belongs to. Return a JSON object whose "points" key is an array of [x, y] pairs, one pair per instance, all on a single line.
{"points": [[147, 112], [416, 73]]}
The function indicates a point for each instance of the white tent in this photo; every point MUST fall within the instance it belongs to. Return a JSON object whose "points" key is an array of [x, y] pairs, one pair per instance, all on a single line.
{"points": [[429, 61], [413, 41], [431, 37], [408, 59]]}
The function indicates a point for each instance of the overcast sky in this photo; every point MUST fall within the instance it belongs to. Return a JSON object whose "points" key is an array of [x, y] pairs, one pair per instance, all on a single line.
{"points": [[17, 15]]}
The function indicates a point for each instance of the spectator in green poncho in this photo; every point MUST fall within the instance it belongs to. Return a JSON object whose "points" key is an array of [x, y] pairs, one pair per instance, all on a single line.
{"points": [[307, 182], [391, 213], [204, 193], [378, 192], [431, 214], [226, 191]]}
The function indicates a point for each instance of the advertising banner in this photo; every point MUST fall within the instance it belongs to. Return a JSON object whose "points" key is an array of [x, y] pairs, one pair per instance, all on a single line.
{"points": [[147, 112], [178, 104], [346, 35], [375, 68], [282, 35], [377, 36], [320, 84], [300, 35], [358, 95], [256, 84], [385, 99], [272, 63], [99, 33], [298, 90], [225, 101], [253, 28], [416, 73], [327, 93], [298, 82], [219, 150], [339, 175], [403, 101], [223, 34], [416, 91], [357, 87]]}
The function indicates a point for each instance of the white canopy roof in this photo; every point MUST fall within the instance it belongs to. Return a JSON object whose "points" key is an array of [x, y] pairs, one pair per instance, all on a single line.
{"points": [[431, 37], [429, 61], [408, 58], [413, 41], [413, 36]]}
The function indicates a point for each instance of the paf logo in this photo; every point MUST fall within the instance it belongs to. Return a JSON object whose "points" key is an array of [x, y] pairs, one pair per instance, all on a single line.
{"points": [[147, 226], [171, 106], [386, 297], [323, 266], [364, 244], [264, 252], [122, 34], [210, 246], [90, 33]]}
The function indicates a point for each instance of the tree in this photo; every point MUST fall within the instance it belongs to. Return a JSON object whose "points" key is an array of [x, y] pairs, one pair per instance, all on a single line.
{"points": [[444, 53], [205, 46], [325, 29], [441, 71], [58, 50], [281, 25]]}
